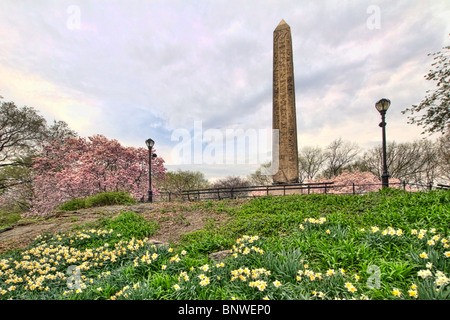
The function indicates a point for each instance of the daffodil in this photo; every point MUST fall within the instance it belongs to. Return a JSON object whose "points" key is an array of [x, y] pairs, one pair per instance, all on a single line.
{"points": [[352, 289], [330, 272], [396, 292], [424, 273], [413, 293]]}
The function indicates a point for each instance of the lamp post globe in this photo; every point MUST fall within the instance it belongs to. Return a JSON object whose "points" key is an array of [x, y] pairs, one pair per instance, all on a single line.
{"points": [[382, 106], [150, 143]]}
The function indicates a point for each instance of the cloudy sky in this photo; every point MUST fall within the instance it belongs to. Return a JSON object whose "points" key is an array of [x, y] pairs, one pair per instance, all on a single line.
{"points": [[169, 70]]}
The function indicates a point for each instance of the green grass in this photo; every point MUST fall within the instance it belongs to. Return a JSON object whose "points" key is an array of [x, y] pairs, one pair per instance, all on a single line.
{"points": [[296, 247]]}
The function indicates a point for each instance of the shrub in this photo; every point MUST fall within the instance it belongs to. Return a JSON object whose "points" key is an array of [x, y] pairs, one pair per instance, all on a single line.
{"points": [[98, 200], [74, 204], [109, 198]]}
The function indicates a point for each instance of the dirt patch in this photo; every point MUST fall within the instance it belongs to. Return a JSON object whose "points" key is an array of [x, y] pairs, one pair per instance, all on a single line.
{"points": [[173, 220]]}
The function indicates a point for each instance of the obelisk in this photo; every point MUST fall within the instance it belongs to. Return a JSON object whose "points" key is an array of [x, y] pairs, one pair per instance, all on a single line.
{"points": [[284, 113]]}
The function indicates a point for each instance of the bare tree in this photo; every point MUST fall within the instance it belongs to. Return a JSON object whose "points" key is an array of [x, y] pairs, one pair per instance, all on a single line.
{"points": [[444, 158], [430, 162], [310, 160], [230, 183], [338, 155], [414, 162]]}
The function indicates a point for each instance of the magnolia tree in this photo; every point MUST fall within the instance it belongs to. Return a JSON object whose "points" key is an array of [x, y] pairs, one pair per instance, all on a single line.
{"points": [[82, 167]]}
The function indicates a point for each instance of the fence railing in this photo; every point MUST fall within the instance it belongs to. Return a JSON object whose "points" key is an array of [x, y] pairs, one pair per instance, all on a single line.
{"points": [[282, 190], [255, 191]]}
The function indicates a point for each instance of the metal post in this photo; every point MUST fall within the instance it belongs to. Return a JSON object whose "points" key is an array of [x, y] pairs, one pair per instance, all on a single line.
{"points": [[150, 193], [385, 175]]}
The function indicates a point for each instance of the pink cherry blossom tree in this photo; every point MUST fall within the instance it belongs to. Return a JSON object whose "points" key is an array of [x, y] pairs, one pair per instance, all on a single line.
{"points": [[82, 167], [357, 182]]}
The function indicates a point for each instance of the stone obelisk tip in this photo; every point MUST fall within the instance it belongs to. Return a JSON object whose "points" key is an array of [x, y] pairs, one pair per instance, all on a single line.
{"points": [[282, 25]]}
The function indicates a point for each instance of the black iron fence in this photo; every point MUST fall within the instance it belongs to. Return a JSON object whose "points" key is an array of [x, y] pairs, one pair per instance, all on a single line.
{"points": [[283, 190]]}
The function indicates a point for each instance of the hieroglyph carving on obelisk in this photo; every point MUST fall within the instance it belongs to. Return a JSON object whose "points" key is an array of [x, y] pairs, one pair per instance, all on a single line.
{"points": [[284, 113]]}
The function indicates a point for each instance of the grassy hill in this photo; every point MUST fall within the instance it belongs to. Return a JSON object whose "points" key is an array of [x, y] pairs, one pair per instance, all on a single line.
{"points": [[384, 245]]}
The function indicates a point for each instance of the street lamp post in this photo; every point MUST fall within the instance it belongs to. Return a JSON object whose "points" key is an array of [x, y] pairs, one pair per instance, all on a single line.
{"points": [[150, 143], [382, 106]]}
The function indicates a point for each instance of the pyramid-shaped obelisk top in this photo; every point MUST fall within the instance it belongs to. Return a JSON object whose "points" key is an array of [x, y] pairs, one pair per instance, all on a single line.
{"points": [[282, 25], [285, 152]]}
